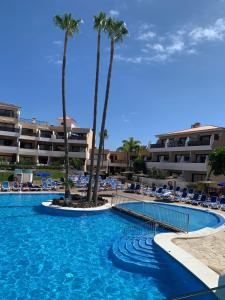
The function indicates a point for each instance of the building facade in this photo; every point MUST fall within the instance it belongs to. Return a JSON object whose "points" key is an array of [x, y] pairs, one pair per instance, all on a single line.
{"points": [[111, 162], [185, 153], [33, 141]]}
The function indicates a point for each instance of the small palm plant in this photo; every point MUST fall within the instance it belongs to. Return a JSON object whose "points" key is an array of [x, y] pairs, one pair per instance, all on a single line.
{"points": [[117, 30], [70, 26]]}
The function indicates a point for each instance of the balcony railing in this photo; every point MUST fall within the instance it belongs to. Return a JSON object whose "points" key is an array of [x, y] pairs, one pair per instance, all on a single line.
{"points": [[9, 114], [157, 146], [77, 137], [47, 148], [59, 137], [176, 144], [27, 147], [46, 135], [118, 161], [29, 133], [199, 143], [33, 121], [10, 129]]}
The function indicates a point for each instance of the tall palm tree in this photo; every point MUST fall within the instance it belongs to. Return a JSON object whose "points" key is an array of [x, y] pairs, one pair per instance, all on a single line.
{"points": [[106, 136], [117, 31], [130, 146], [99, 25], [70, 26]]}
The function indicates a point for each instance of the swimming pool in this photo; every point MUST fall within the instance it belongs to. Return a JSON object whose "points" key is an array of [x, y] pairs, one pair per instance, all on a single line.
{"points": [[198, 219], [57, 257]]}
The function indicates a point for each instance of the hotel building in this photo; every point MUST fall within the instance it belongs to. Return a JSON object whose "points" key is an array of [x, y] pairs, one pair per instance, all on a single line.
{"points": [[185, 153], [33, 141]]}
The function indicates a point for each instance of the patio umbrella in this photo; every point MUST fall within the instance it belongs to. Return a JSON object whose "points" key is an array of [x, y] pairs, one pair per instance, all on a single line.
{"points": [[43, 174]]}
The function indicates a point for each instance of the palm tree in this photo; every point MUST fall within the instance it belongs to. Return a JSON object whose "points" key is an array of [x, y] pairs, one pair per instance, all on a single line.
{"points": [[70, 26], [117, 31], [99, 25], [106, 136], [130, 146]]}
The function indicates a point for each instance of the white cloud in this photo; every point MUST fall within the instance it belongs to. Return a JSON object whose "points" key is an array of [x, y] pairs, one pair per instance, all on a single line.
{"points": [[114, 13], [145, 36], [145, 33], [210, 33], [57, 43], [54, 59], [134, 60], [184, 41]]}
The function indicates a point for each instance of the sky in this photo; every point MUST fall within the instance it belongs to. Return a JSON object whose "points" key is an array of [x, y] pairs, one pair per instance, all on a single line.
{"points": [[167, 74]]}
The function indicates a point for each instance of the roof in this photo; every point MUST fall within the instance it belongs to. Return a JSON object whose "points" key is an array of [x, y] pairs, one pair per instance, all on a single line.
{"points": [[9, 105], [192, 130]]}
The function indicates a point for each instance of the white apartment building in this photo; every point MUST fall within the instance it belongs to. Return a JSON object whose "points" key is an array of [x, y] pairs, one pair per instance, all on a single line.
{"points": [[33, 141], [185, 153]]}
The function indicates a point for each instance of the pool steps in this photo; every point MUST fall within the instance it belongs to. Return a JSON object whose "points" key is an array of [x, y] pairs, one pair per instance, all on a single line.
{"points": [[139, 254]]}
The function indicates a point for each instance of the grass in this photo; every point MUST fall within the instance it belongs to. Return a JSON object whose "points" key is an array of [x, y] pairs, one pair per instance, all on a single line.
{"points": [[55, 174]]}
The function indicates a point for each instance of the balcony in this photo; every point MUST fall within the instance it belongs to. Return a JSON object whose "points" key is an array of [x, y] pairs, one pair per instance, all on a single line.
{"points": [[8, 149], [176, 144], [199, 143], [8, 113], [77, 137], [178, 166], [47, 135], [59, 137], [28, 151], [9, 129], [33, 121], [29, 133], [158, 145]]}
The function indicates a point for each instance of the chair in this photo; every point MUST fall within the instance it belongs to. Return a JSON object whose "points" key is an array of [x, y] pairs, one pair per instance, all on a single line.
{"points": [[5, 186], [222, 203], [201, 201], [137, 188], [194, 198], [159, 192], [183, 197], [213, 202], [25, 187], [16, 186], [45, 186]]}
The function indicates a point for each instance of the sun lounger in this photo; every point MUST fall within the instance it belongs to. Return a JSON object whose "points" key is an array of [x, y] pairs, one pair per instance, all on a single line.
{"points": [[45, 186], [5, 186], [25, 187], [16, 186], [183, 197], [222, 203], [213, 202], [201, 201]]}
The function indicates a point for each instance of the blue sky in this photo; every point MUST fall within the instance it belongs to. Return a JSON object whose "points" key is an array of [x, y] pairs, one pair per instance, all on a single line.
{"points": [[168, 74]]}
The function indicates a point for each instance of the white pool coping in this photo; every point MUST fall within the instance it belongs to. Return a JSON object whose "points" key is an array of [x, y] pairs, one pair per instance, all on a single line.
{"points": [[57, 207], [165, 241]]}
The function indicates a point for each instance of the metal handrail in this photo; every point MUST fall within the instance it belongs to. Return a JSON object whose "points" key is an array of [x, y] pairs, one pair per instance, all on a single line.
{"points": [[141, 230], [199, 293], [181, 218]]}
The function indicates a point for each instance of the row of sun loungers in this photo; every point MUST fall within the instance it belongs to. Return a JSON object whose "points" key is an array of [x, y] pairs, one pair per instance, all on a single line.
{"points": [[46, 185], [185, 196]]}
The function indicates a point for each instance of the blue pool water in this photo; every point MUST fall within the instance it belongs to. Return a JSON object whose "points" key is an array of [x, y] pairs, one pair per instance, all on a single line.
{"points": [[197, 219], [56, 257]]}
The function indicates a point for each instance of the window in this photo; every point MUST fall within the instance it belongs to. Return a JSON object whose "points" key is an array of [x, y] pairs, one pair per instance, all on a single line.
{"points": [[216, 137]]}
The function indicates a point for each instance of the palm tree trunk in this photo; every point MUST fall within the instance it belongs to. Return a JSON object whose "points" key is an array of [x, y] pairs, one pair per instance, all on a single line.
{"points": [[103, 120], [103, 150], [89, 193], [67, 188]]}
